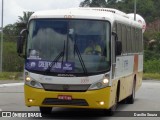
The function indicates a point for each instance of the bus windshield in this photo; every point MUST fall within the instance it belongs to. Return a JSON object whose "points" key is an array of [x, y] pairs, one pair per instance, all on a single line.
{"points": [[68, 45]]}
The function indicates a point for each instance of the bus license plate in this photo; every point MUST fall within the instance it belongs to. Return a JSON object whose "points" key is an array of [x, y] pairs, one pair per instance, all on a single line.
{"points": [[64, 97]]}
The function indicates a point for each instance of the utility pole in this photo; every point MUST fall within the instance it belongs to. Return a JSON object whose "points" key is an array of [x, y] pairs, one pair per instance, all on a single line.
{"points": [[135, 7], [1, 56]]}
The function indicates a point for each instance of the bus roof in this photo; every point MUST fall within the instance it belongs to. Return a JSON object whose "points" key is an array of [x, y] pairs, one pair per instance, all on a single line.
{"points": [[109, 14]]}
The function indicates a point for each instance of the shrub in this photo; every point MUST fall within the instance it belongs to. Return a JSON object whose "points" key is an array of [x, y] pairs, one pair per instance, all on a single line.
{"points": [[11, 61], [152, 66]]}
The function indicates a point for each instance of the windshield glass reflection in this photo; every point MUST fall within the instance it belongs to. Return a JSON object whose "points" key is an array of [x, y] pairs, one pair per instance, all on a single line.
{"points": [[86, 45]]}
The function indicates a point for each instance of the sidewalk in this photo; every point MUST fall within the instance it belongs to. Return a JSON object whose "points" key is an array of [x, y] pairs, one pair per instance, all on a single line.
{"points": [[10, 81]]}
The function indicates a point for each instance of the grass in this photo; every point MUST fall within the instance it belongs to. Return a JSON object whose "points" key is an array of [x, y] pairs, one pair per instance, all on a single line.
{"points": [[10, 75], [151, 76]]}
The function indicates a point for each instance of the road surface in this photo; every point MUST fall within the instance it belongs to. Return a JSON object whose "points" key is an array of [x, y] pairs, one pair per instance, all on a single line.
{"points": [[147, 99]]}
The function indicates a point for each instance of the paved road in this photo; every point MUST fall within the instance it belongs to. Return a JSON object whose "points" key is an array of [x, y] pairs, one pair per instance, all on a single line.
{"points": [[147, 99]]}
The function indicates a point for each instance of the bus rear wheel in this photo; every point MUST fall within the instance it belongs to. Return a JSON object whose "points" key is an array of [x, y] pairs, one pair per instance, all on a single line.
{"points": [[45, 110]]}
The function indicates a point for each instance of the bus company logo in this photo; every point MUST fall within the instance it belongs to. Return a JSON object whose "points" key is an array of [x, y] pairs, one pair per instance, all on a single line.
{"points": [[31, 64], [67, 66]]}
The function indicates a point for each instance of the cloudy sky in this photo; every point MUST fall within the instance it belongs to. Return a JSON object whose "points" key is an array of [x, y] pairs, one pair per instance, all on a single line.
{"points": [[15, 8]]}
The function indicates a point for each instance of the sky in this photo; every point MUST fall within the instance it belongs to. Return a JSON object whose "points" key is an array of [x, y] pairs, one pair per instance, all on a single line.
{"points": [[14, 8]]}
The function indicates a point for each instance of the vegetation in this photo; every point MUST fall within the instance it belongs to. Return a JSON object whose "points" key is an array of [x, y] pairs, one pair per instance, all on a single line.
{"points": [[11, 75], [25, 17], [147, 8], [11, 61], [150, 76]]}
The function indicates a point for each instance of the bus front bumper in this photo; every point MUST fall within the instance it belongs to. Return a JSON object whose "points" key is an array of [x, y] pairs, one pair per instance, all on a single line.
{"points": [[98, 99]]}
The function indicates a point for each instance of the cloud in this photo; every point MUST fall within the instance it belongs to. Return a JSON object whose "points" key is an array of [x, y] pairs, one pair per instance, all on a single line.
{"points": [[15, 8], [11, 11]]}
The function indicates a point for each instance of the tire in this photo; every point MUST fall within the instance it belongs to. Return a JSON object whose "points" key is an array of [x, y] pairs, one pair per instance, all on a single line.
{"points": [[130, 99], [45, 110], [114, 107], [112, 110]]}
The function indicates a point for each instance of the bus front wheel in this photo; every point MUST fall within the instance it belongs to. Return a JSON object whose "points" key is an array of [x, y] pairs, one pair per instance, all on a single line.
{"points": [[45, 110], [111, 111], [114, 107]]}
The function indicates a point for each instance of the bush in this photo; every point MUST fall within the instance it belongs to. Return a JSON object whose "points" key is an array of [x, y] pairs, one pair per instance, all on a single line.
{"points": [[11, 61], [152, 66]]}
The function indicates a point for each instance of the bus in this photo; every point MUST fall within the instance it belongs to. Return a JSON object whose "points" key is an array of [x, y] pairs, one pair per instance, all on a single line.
{"points": [[57, 71]]}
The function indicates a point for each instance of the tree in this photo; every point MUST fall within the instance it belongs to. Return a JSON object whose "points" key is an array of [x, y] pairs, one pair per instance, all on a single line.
{"points": [[146, 8], [93, 3], [10, 32], [25, 17], [85, 3], [9, 29]]}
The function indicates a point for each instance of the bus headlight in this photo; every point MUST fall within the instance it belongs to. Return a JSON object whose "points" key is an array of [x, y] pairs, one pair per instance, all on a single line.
{"points": [[33, 83], [100, 84], [28, 78]]}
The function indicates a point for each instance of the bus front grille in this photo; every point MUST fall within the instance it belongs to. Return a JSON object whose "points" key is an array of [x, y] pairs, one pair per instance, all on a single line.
{"points": [[55, 101], [66, 87]]}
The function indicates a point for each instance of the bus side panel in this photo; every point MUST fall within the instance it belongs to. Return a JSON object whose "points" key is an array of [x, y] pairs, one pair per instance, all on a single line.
{"points": [[125, 87], [124, 73], [127, 67]]}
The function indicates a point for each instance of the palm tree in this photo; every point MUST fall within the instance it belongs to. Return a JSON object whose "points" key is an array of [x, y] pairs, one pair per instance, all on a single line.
{"points": [[25, 17]]}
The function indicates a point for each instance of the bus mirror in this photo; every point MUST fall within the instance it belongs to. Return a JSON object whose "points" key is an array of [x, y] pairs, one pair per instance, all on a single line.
{"points": [[20, 42], [20, 45], [118, 44], [115, 34], [118, 47]]}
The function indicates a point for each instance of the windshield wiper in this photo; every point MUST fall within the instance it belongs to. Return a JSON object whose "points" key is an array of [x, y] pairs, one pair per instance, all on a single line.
{"points": [[80, 58], [61, 54]]}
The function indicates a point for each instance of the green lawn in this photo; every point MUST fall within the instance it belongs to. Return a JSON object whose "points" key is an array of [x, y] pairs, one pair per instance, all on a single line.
{"points": [[10, 75], [150, 76]]}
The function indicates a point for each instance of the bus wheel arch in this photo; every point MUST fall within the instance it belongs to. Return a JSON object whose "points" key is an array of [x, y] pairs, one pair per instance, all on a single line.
{"points": [[118, 90], [134, 86], [130, 99], [114, 107]]}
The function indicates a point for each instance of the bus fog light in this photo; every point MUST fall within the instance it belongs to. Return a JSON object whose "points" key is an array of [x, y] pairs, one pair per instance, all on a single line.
{"points": [[101, 102], [30, 100]]}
